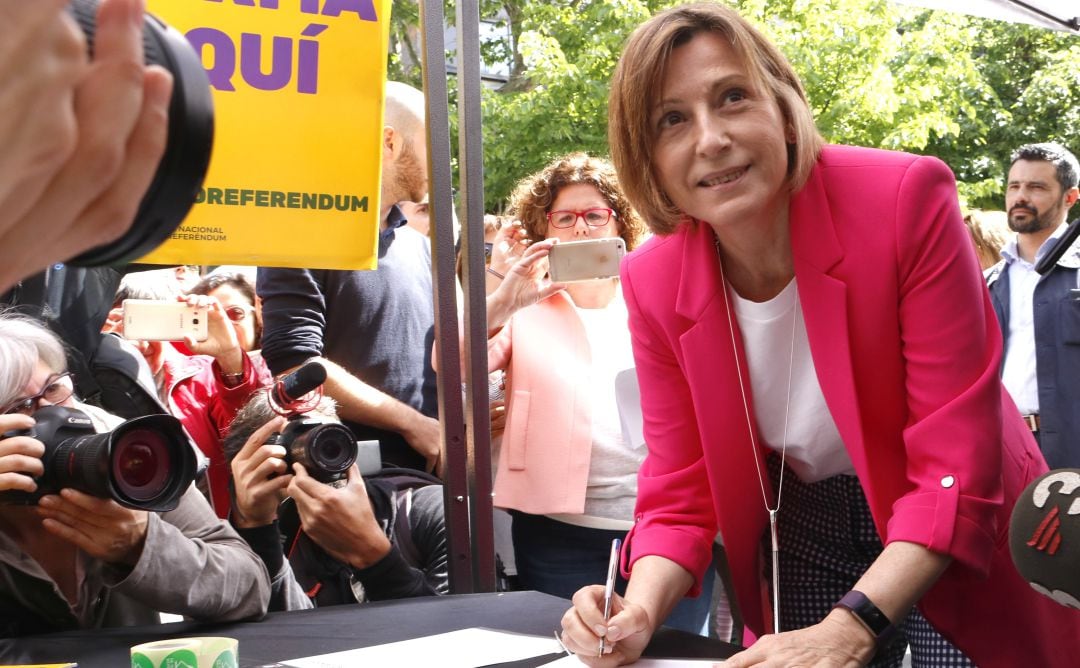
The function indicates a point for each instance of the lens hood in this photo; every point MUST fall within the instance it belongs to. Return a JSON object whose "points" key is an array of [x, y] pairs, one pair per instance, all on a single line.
{"points": [[183, 166]]}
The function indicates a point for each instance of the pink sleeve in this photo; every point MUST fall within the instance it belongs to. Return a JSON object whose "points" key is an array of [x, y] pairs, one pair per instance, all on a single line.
{"points": [[674, 515], [952, 351]]}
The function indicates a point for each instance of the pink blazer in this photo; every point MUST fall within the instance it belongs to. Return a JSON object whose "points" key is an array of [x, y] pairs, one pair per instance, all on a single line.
{"points": [[907, 351], [543, 464]]}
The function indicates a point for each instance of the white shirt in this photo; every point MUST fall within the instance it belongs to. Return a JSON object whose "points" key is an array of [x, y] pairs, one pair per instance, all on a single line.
{"points": [[1019, 373], [616, 454], [815, 450]]}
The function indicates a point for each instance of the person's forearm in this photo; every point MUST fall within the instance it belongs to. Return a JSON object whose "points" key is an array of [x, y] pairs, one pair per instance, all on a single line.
{"points": [[499, 310], [899, 577], [359, 402], [657, 584]]}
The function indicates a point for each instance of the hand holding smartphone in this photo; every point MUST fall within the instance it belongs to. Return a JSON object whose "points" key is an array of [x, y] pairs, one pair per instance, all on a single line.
{"points": [[589, 260], [154, 320]]}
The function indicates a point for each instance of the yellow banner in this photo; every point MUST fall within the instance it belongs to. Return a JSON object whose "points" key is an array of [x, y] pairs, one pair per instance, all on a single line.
{"points": [[298, 105]]}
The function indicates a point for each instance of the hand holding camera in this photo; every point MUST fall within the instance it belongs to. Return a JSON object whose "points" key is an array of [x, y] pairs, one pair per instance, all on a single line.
{"points": [[340, 519], [221, 341], [20, 455], [83, 137], [260, 477], [525, 284], [102, 528]]}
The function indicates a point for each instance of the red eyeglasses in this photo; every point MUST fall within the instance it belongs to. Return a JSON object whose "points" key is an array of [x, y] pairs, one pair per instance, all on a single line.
{"points": [[237, 312], [597, 217]]}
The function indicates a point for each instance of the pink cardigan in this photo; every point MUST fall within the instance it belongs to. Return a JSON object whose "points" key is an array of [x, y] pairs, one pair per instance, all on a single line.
{"points": [[544, 460], [907, 350]]}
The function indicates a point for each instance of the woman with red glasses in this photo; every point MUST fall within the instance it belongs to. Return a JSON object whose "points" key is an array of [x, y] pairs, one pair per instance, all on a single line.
{"points": [[205, 389], [570, 453]]}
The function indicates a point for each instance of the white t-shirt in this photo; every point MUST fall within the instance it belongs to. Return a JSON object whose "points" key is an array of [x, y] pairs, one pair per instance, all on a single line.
{"points": [[616, 456], [815, 450]]}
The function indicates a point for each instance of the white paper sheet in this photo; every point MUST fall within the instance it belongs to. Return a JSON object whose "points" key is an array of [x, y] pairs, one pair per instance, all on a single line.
{"points": [[467, 648]]}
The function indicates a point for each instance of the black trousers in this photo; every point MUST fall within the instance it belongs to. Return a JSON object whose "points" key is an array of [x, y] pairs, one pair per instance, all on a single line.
{"points": [[827, 541]]}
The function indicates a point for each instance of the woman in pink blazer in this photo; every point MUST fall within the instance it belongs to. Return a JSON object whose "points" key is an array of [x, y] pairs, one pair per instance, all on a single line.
{"points": [[812, 336]]}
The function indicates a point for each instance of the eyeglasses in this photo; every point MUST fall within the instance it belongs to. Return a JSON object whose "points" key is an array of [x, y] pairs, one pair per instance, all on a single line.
{"points": [[237, 312], [593, 217], [58, 388]]}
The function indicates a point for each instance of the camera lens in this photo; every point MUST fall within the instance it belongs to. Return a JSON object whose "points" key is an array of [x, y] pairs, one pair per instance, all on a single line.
{"points": [[140, 464], [326, 450], [187, 153], [151, 463]]}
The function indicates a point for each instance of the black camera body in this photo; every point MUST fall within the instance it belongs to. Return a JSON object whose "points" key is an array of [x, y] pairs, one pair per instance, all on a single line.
{"points": [[326, 449], [146, 463]]}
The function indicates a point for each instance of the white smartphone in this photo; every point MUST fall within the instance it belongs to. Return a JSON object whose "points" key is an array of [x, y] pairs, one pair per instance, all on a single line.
{"points": [[589, 260], [154, 320]]}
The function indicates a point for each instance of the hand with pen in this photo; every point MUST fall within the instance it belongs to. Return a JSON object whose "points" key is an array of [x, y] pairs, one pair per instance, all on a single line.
{"points": [[625, 634]]}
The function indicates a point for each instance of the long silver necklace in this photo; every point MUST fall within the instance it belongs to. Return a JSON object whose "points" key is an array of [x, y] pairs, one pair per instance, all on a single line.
{"points": [[774, 536]]}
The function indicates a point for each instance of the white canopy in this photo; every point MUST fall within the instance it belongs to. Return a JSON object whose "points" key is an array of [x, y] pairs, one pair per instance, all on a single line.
{"points": [[1061, 15]]}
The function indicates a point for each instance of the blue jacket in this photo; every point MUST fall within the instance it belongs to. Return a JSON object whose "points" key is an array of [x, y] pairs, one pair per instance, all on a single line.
{"points": [[1057, 352]]}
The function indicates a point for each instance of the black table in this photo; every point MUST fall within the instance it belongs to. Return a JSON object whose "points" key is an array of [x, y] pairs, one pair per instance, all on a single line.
{"points": [[289, 635]]}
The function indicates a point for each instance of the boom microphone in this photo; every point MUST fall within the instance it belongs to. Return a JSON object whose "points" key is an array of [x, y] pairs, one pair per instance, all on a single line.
{"points": [[1044, 535], [1047, 262], [288, 393]]}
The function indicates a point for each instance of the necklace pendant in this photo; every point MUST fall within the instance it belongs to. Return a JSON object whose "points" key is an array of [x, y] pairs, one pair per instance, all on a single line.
{"points": [[774, 537]]}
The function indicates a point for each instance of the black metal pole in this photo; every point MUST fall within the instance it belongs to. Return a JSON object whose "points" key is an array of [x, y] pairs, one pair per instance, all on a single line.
{"points": [[471, 179], [451, 416]]}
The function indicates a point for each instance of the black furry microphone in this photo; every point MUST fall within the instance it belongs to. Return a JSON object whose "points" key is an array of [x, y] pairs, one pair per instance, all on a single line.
{"points": [[1044, 535], [293, 388], [1047, 262]]}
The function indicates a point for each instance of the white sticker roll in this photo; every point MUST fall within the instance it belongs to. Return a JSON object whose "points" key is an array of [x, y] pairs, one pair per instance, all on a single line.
{"points": [[209, 652]]}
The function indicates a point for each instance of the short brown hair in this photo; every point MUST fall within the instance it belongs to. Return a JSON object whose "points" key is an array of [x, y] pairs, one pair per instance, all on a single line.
{"points": [[639, 75], [532, 198]]}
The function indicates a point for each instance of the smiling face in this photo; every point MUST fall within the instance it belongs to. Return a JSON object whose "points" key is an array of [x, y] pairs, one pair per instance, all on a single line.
{"points": [[719, 152], [581, 197]]}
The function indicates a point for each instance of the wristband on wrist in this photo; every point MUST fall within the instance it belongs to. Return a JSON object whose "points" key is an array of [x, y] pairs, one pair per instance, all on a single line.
{"points": [[870, 616], [232, 379], [495, 273]]}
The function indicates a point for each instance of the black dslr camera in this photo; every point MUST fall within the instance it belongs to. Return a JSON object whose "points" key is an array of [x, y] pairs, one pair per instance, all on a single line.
{"points": [[326, 449], [146, 463]]}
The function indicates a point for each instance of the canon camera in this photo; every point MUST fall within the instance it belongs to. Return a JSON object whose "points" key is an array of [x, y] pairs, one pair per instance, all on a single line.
{"points": [[146, 463]]}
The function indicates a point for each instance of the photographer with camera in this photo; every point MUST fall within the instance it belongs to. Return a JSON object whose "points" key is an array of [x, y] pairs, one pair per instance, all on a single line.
{"points": [[81, 136], [78, 559], [347, 538]]}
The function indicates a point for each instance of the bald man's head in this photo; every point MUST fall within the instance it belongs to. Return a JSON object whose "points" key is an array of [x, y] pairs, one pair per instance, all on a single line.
{"points": [[404, 145], [404, 109]]}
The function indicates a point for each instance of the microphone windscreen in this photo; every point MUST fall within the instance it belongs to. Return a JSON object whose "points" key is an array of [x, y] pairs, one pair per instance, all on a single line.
{"points": [[1044, 535], [298, 383]]}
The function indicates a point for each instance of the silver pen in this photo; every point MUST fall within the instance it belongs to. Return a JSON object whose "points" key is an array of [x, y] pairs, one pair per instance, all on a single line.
{"points": [[609, 585]]}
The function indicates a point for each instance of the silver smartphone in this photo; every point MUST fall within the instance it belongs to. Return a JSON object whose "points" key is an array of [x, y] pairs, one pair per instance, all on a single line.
{"points": [[154, 320], [571, 261]]}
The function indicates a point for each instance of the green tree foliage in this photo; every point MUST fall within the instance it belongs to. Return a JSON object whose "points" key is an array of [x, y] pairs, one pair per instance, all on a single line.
{"points": [[967, 90]]}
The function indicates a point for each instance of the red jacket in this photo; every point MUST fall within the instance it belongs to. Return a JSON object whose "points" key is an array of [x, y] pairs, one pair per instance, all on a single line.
{"points": [[198, 397], [907, 350]]}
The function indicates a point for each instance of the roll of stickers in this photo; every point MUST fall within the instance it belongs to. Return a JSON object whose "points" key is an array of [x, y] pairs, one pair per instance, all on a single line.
{"points": [[186, 653]]}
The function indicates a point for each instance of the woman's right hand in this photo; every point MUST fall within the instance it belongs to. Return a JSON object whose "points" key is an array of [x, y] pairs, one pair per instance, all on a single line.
{"points": [[508, 246], [626, 633], [20, 456], [526, 281]]}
